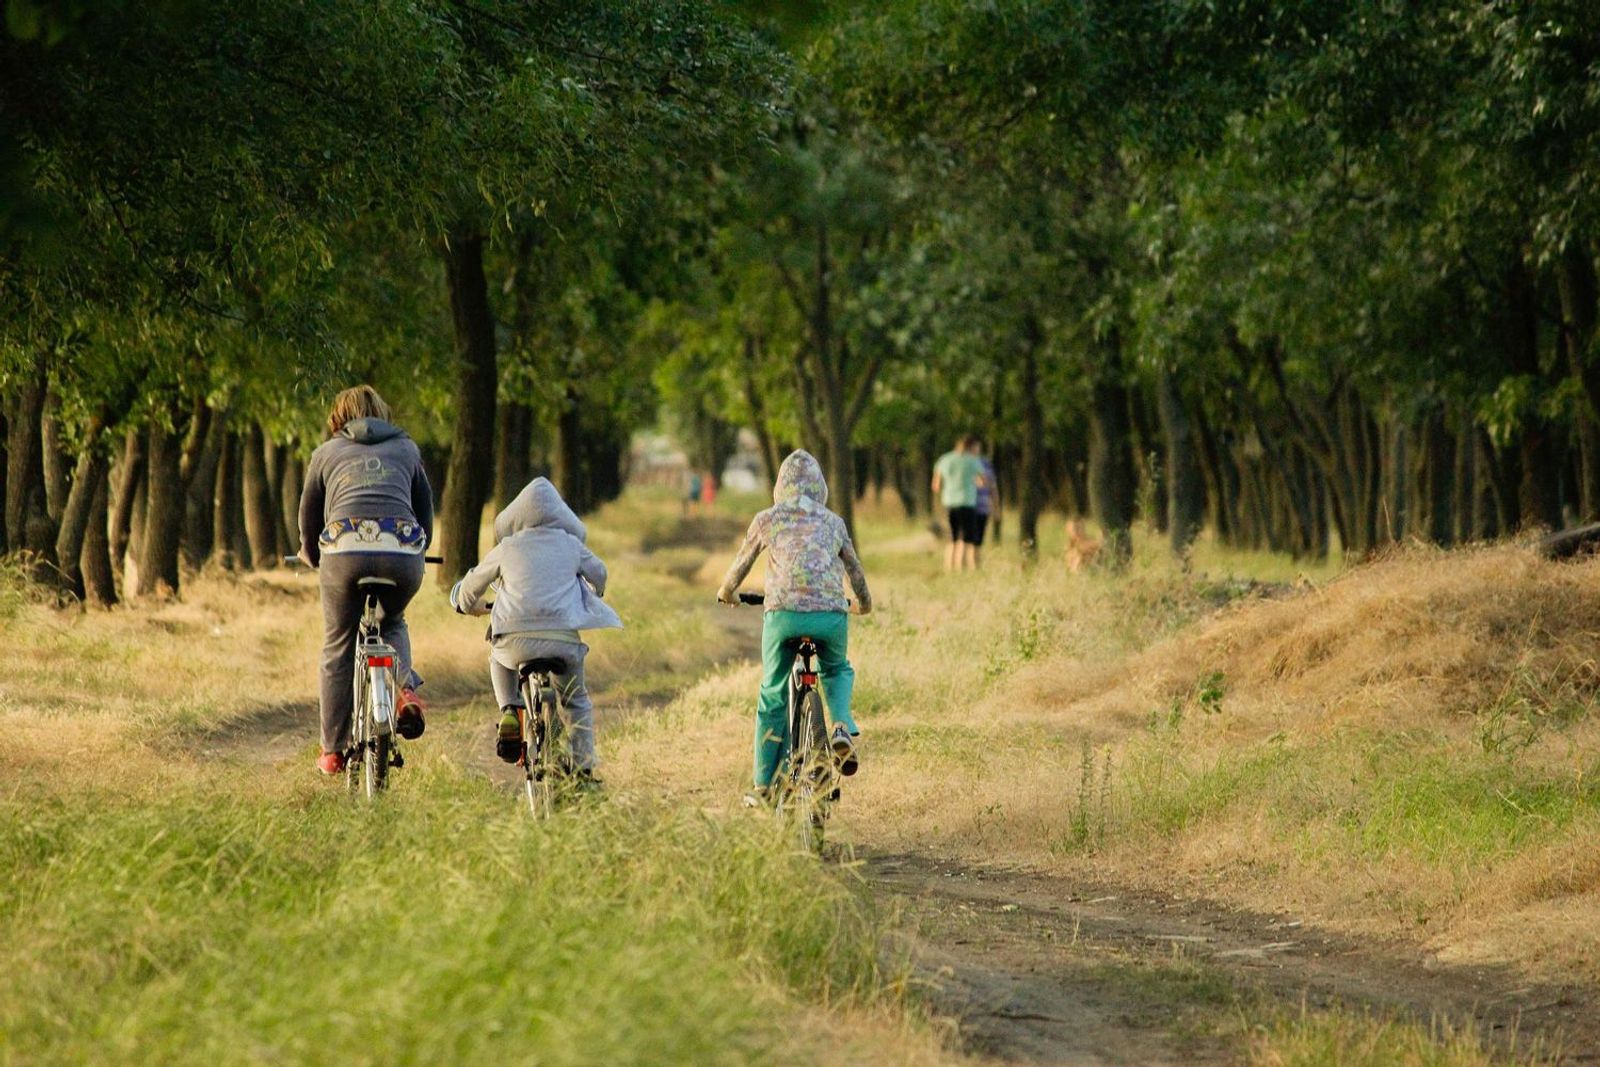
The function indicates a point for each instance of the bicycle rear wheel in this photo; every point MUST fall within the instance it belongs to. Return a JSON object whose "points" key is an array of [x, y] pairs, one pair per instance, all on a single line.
{"points": [[811, 771], [537, 742], [377, 749], [355, 757], [379, 754]]}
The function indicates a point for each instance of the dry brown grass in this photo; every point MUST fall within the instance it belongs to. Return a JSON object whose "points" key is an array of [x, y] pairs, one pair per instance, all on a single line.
{"points": [[1405, 749]]}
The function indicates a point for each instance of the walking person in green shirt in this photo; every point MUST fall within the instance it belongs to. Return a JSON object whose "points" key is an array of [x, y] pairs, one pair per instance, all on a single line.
{"points": [[957, 477]]}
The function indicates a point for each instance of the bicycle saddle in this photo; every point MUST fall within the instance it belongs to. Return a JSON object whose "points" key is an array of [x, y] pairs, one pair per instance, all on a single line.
{"points": [[542, 665], [375, 583]]}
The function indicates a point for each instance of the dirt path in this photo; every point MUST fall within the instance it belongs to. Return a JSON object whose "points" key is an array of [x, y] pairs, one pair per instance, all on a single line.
{"points": [[1037, 969]]}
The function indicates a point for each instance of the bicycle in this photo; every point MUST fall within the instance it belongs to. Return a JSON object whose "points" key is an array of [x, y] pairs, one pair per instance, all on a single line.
{"points": [[810, 782], [546, 768], [374, 746]]}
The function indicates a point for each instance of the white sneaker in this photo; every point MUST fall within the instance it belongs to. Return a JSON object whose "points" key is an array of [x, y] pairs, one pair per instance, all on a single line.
{"points": [[844, 751]]}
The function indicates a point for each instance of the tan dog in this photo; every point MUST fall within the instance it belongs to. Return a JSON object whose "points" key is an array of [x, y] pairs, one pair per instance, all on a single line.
{"points": [[1081, 548]]}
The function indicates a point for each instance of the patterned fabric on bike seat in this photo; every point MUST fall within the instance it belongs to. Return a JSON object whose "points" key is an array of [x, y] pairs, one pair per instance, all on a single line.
{"points": [[375, 583], [542, 666]]}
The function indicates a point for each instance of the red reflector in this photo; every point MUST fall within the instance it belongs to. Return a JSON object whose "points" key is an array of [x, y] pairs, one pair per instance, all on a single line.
{"points": [[380, 661], [808, 679]]}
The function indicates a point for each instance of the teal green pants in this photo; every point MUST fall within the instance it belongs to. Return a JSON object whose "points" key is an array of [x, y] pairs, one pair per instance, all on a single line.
{"points": [[780, 637]]}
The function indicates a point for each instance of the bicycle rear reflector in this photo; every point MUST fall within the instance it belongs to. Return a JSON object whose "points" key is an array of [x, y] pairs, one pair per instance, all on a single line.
{"points": [[380, 661], [808, 679]]}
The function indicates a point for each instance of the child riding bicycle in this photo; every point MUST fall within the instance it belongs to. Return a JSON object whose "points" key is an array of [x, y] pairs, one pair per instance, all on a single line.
{"points": [[810, 555], [547, 586]]}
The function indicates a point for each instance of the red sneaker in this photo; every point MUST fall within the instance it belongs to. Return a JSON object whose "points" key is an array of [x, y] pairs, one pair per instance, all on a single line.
{"points": [[408, 721], [331, 763]]}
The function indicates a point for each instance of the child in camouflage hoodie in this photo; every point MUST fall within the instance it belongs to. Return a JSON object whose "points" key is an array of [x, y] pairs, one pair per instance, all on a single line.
{"points": [[809, 557]]}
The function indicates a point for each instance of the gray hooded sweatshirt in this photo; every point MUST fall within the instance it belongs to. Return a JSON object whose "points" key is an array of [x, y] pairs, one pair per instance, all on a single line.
{"points": [[544, 577], [369, 470], [811, 554]]}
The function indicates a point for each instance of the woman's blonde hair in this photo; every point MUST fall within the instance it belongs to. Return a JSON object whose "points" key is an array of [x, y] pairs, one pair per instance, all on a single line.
{"points": [[357, 402]]}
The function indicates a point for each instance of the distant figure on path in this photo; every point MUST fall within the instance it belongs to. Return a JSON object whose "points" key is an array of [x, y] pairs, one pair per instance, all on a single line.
{"points": [[708, 493], [988, 501], [956, 478], [691, 499]]}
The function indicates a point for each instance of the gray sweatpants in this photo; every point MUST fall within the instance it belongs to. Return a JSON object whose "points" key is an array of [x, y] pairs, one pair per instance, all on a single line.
{"points": [[510, 651], [342, 603]]}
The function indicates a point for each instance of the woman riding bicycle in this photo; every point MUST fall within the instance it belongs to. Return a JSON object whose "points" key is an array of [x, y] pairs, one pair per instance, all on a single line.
{"points": [[366, 512]]}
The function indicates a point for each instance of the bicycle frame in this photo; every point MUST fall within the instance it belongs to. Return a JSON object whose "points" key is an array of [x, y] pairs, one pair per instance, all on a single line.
{"points": [[812, 778]]}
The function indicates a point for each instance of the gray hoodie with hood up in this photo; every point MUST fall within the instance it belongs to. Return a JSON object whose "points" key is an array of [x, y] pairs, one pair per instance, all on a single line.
{"points": [[543, 576], [368, 470]]}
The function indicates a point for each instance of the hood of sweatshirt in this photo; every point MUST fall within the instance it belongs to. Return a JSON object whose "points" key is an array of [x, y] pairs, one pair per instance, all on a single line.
{"points": [[800, 475], [370, 431], [538, 505]]}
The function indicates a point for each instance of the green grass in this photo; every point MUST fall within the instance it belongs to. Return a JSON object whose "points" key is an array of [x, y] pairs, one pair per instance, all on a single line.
{"points": [[1361, 794], [442, 926], [1348, 1039]]}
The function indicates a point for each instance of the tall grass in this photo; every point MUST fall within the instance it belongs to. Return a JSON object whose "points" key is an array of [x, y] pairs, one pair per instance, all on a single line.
{"points": [[441, 926]]}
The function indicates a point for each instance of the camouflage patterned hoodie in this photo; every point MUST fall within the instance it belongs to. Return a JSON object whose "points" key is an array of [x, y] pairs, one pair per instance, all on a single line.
{"points": [[810, 550]]}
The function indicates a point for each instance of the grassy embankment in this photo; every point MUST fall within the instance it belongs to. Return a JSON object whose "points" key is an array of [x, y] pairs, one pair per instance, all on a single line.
{"points": [[177, 886], [1406, 748]]}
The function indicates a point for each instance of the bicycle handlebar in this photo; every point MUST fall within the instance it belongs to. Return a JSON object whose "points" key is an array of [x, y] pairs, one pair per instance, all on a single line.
{"points": [[756, 600], [296, 561]]}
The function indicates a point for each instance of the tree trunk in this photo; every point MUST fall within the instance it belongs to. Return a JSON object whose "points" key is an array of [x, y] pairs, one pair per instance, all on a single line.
{"points": [[226, 510], [27, 514], [569, 469], [130, 476], [291, 480], [1538, 496], [1579, 290], [163, 520], [94, 558], [1465, 485], [1438, 468], [468, 480], [260, 509], [1111, 470], [758, 408], [1186, 491], [5, 463], [200, 488], [53, 458], [513, 457], [1031, 504], [87, 481]]}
